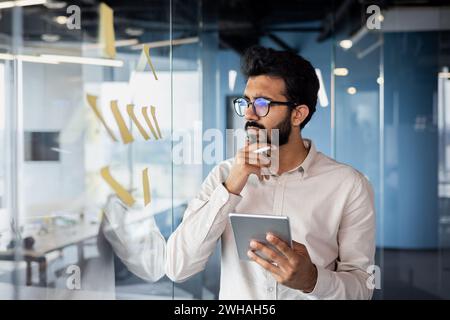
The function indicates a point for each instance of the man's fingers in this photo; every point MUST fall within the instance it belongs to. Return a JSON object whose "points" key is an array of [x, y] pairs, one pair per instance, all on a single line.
{"points": [[257, 159], [268, 252], [264, 263], [282, 246], [299, 248], [298, 245]]}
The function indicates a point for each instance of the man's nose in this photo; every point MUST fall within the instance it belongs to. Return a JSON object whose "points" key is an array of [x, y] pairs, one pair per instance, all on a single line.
{"points": [[250, 115]]}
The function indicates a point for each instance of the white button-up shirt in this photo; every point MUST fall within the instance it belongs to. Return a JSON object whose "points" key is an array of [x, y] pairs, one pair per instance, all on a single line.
{"points": [[331, 211]]}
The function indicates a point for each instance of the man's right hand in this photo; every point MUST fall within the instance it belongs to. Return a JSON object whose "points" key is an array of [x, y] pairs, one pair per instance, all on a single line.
{"points": [[246, 162]]}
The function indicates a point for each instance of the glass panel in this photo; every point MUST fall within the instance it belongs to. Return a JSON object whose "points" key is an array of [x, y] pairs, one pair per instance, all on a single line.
{"points": [[187, 127], [391, 125], [7, 141], [88, 133], [357, 80]]}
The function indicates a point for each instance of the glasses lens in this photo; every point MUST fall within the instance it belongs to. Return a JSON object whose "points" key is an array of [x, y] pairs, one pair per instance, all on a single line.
{"points": [[240, 105], [261, 106]]}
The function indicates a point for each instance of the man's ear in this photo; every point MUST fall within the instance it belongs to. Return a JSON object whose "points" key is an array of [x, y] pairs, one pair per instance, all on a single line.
{"points": [[299, 114]]}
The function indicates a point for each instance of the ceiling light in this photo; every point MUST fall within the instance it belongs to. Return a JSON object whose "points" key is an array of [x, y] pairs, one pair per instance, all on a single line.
{"points": [[56, 4], [134, 32], [26, 58], [380, 80], [380, 17], [117, 43], [84, 60], [36, 59], [6, 56], [60, 19], [167, 43], [48, 37], [351, 90], [20, 3], [341, 72], [346, 44], [232, 74], [322, 94]]}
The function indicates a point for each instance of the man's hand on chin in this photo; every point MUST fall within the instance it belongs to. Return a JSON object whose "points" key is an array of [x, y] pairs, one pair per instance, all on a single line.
{"points": [[293, 268]]}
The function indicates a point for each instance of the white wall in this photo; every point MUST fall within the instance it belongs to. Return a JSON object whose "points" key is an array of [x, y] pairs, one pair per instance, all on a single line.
{"points": [[51, 95]]}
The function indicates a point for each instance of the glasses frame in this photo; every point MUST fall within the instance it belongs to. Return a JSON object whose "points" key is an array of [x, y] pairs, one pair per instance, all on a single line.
{"points": [[271, 103]]}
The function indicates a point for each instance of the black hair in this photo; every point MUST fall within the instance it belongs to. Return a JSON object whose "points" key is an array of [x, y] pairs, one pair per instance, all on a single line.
{"points": [[300, 79]]}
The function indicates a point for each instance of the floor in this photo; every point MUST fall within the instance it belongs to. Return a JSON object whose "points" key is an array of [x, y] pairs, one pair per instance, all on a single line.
{"points": [[405, 274], [414, 274]]}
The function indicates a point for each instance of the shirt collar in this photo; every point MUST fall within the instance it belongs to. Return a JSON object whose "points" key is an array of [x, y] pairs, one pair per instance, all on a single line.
{"points": [[306, 164], [309, 160]]}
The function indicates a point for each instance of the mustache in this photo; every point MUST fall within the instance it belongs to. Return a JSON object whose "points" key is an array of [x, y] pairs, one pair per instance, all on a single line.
{"points": [[253, 124]]}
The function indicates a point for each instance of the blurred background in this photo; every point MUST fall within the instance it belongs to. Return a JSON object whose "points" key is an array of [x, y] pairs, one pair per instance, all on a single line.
{"points": [[384, 108]]}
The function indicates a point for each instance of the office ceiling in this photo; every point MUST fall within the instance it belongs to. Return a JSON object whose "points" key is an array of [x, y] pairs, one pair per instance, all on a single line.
{"points": [[240, 22]]}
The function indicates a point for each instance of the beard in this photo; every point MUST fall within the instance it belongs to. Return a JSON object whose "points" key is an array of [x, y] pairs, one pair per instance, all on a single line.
{"points": [[284, 129]]}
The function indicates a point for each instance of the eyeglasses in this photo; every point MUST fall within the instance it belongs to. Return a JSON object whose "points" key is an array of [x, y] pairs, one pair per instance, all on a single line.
{"points": [[260, 106]]}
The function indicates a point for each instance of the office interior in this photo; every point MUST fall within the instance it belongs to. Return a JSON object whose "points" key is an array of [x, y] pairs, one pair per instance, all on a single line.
{"points": [[383, 108]]}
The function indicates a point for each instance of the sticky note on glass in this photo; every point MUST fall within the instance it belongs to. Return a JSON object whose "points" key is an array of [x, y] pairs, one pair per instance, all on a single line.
{"points": [[123, 129], [145, 60], [146, 187], [148, 121], [121, 192], [92, 102], [106, 31], [130, 110]]}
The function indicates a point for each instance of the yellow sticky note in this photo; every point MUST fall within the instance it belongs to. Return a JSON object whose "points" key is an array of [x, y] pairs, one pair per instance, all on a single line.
{"points": [[146, 187], [149, 123], [153, 110], [130, 111], [124, 132], [145, 60], [106, 31], [121, 192], [92, 102], [149, 61]]}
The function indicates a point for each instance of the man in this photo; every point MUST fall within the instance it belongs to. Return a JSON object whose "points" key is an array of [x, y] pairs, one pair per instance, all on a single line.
{"points": [[329, 204]]}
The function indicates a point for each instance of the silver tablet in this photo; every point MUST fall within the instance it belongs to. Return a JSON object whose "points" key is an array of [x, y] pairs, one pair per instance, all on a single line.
{"points": [[247, 227]]}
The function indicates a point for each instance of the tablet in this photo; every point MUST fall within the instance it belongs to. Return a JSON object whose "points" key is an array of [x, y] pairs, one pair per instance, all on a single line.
{"points": [[247, 227]]}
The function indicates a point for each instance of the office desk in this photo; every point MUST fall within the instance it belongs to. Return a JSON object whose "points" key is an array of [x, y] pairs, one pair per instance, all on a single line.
{"points": [[57, 239]]}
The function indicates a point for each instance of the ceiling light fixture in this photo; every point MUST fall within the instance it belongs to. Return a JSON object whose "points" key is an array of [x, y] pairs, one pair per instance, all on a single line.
{"points": [[84, 60], [341, 72], [20, 3], [166, 43], [60, 19], [134, 32], [351, 90], [346, 44], [48, 37], [56, 4]]}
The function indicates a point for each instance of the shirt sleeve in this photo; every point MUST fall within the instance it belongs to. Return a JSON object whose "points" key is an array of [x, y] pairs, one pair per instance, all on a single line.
{"points": [[204, 221], [356, 239], [139, 244]]}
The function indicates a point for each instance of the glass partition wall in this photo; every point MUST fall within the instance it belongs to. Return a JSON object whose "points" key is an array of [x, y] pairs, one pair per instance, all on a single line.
{"points": [[87, 125], [90, 98], [390, 123]]}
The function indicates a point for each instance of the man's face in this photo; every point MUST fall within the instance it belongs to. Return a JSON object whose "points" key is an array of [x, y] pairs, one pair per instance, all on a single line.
{"points": [[279, 116]]}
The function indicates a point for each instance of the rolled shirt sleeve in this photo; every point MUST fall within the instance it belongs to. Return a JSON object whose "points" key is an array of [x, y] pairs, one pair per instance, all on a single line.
{"points": [[204, 221]]}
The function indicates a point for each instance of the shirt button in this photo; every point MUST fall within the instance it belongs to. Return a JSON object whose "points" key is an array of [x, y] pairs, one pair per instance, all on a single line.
{"points": [[270, 289]]}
